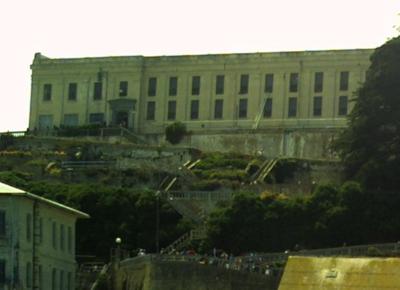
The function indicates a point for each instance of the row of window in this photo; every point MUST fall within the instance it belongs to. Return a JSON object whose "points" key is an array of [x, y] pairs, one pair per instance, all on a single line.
{"points": [[242, 110], [60, 280], [73, 91], [61, 241], [196, 84], [98, 118]]}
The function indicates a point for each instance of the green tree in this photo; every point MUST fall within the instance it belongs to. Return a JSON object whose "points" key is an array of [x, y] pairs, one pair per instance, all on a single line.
{"points": [[175, 132], [370, 146]]}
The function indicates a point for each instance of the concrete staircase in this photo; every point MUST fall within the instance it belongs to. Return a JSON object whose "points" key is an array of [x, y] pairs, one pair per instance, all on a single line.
{"points": [[191, 205], [264, 170]]}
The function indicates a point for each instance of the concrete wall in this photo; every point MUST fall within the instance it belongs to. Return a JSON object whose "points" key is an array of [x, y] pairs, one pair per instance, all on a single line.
{"points": [[158, 275], [312, 273], [299, 143]]}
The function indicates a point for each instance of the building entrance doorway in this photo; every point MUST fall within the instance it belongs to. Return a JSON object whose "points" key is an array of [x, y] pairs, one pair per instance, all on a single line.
{"points": [[122, 119]]}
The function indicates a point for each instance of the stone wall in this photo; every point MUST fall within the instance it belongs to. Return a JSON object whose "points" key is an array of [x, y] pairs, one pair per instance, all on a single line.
{"points": [[149, 274]]}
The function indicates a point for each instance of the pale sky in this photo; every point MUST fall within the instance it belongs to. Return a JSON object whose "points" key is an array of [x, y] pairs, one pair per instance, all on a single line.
{"points": [[79, 28]]}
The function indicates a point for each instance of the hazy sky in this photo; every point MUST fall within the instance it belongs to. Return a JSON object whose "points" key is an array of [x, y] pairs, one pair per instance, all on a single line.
{"points": [[73, 28]]}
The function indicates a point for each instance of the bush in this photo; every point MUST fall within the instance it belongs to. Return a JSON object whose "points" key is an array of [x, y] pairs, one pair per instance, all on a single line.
{"points": [[205, 185], [6, 140], [175, 132]]}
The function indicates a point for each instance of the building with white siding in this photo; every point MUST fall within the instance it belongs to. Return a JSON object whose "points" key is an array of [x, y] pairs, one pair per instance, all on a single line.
{"points": [[37, 241]]}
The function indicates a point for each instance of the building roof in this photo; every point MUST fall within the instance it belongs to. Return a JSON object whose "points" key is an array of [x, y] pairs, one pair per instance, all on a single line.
{"points": [[9, 190]]}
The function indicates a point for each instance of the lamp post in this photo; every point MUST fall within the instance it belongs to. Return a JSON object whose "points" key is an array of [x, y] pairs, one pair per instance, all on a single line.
{"points": [[158, 222], [118, 242]]}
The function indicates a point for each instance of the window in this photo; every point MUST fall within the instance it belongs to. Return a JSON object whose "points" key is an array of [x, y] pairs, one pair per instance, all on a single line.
{"points": [[344, 80], [317, 106], [173, 86], [219, 87], [152, 89], [61, 280], [54, 235], [195, 85], [71, 120], [242, 108], [268, 108], [28, 275], [40, 230], [2, 223], [171, 110], [98, 91], [72, 91], [45, 122], [47, 92], [69, 281], [62, 237], [218, 109], [294, 82], [2, 271], [151, 111], [28, 227], [40, 277], [342, 105], [318, 82], [96, 118], [123, 88], [292, 112], [69, 242], [54, 279], [269, 83], [194, 109], [244, 84]]}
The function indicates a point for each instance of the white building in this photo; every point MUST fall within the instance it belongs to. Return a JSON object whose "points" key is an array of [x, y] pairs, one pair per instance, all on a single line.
{"points": [[37, 241]]}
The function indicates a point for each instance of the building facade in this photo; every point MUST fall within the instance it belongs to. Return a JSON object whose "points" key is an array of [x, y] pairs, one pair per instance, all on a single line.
{"points": [[37, 242], [207, 92]]}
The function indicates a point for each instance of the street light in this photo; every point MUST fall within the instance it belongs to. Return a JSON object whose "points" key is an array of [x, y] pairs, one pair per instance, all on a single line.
{"points": [[158, 222], [118, 241]]}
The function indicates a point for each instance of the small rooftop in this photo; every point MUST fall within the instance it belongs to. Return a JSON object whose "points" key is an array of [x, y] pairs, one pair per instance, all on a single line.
{"points": [[6, 189]]}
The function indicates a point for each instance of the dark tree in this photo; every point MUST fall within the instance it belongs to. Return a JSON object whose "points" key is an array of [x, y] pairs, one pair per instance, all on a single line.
{"points": [[370, 146], [175, 132]]}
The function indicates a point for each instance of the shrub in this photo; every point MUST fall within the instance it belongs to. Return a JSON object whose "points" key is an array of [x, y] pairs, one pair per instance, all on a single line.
{"points": [[175, 132], [6, 140], [206, 185]]}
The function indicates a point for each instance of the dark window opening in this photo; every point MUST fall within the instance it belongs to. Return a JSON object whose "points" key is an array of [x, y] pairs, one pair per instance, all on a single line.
{"points": [[123, 88], [268, 108], [318, 82], [152, 89], [72, 91], [219, 88], [96, 118], [194, 110], [151, 111], [269, 83], [317, 106], [344, 80], [98, 91], [195, 85], [292, 112], [218, 109], [342, 105], [171, 110], [47, 92], [2, 223], [244, 84], [173, 86], [294, 82], [242, 108]]}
